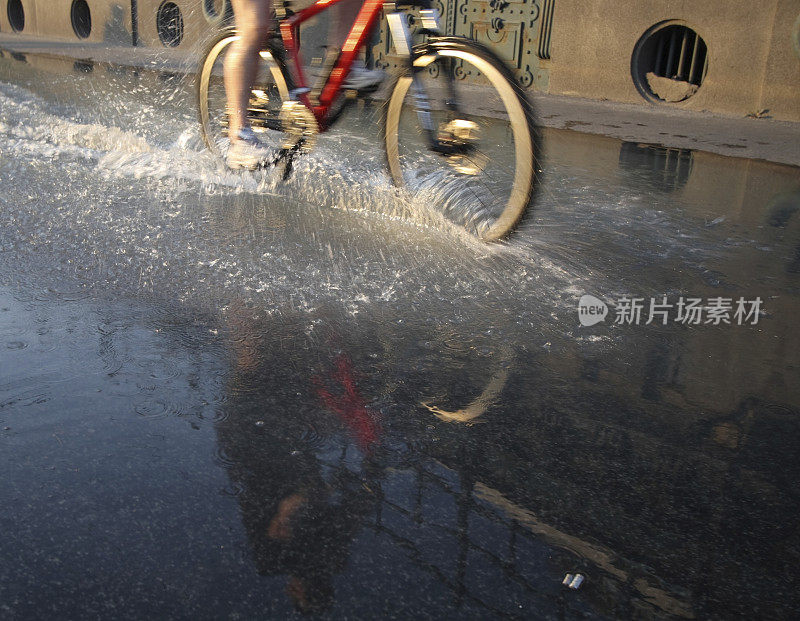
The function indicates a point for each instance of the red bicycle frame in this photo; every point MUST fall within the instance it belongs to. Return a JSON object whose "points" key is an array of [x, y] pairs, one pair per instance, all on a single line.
{"points": [[289, 27]]}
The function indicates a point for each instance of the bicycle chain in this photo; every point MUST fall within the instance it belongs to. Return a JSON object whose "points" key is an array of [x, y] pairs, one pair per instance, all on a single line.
{"points": [[299, 123]]}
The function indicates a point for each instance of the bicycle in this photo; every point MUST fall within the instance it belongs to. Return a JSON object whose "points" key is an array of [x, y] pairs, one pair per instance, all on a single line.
{"points": [[457, 126]]}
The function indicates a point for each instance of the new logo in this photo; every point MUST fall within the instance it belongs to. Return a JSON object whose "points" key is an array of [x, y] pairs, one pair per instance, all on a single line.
{"points": [[591, 310]]}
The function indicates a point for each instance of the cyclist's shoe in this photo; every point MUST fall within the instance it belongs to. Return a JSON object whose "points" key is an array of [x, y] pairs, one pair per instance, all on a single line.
{"points": [[248, 152], [362, 79]]}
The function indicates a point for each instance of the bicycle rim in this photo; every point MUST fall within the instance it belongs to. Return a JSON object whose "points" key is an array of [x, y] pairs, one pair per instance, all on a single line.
{"points": [[487, 190], [266, 98]]}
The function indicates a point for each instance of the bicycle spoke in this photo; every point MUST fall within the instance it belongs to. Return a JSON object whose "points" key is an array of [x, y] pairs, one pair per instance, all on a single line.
{"points": [[488, 177]]}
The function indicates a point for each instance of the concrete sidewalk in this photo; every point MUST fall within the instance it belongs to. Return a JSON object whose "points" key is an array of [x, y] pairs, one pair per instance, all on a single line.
{"points": [[758, 138], [762, 138]]}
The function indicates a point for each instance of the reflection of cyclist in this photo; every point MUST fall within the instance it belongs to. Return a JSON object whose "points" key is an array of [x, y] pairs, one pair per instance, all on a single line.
{"points": [[300, 515], [253, 21]]}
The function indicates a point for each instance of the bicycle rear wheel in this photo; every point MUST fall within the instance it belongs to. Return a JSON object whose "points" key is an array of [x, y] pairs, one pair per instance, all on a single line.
{"points": [[266, 97], [485, 180]]}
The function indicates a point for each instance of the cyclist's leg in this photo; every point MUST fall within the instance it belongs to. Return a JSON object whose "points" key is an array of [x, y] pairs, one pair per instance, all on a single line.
{"points": [[360, 76], [345, 18], [253, 21]]}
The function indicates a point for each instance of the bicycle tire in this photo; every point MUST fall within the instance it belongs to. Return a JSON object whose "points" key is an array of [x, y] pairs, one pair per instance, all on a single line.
{"points": [[270, 79], [495, 217]]}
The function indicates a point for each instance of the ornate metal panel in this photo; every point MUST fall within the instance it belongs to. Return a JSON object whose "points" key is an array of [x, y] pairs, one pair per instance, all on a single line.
{"points": [[518, 30]]}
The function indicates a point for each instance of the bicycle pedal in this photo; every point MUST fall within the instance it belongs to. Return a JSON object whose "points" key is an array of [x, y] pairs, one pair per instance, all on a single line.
{"points": [[353, 93]]}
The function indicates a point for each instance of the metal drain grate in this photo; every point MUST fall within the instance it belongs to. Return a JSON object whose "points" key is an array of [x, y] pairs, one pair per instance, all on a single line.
{"points": [[669, 62], [169, 23], [680, 55], [81, 19], [16, 15]]}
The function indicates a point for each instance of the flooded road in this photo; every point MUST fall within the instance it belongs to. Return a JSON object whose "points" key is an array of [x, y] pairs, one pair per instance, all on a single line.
{"points": [[223, 396]]}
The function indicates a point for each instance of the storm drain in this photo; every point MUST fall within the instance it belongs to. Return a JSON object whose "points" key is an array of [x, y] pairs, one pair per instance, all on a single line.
{"points": [[16, 15], [81, 19], [215, 8], [169, 23], [669, 63]]}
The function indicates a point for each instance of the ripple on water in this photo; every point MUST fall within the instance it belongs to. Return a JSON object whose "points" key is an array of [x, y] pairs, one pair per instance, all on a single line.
{"points": [[311, 437], [46, 341], [112, 363], [219, 414], [159, 368], [11, 328], [24, 399], [222, 458], [158, 408], [233, 489], [75, 293]]}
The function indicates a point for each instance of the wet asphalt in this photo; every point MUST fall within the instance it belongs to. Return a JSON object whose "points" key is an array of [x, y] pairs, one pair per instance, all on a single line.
{"points": [[226, 396]]}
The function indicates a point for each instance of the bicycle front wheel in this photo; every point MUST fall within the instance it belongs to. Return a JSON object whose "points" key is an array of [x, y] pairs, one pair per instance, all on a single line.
{"points": [[461, 131], [266, 97]]}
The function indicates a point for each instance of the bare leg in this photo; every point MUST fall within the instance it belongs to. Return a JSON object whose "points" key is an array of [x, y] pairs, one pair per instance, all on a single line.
{"points": [[360, 77], [345, 19], [253, 21]]}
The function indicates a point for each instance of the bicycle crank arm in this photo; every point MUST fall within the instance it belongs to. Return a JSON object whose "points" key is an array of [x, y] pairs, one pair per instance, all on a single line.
{"points": [[259, 119], [285, 155]]}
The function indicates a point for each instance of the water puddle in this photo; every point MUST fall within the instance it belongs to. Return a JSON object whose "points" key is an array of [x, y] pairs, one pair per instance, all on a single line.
{"points": [[280, 397]]}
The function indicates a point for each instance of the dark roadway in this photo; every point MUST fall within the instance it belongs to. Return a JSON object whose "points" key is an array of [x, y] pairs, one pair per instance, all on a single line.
{"points": [[222, 396]]}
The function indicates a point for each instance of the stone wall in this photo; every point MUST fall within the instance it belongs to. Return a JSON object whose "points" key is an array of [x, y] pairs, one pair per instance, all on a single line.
{"points": [[727, 56], [151, 23], [751, 62]]}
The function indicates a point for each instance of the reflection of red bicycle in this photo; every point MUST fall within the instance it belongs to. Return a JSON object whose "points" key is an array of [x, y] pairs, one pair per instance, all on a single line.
{"points": [[349, 405], [338, 390], [458, 127]]}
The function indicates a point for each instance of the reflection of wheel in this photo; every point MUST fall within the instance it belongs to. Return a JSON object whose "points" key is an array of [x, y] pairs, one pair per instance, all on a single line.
{"points": [[476, 158], [479, 405], [266, 97], [456, 375]]}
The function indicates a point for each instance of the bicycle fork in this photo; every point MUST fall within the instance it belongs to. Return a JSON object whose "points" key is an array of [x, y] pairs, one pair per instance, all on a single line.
{"points": [[402, 43], [457, 137]]}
